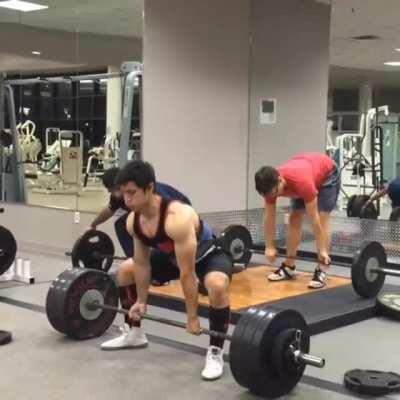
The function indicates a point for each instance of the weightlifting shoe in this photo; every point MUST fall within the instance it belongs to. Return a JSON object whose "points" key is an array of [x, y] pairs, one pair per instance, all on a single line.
{"points": [[214, 366], [318, 280], [284, 272], [131, 338]]}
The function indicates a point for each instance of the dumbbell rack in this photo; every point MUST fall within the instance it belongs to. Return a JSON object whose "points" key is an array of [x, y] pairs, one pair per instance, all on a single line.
{"points": [[20, 271]]}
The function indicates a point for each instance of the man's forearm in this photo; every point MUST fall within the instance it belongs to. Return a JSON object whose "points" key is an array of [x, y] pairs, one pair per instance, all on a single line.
{"points": [[269, 230], [142, 280], [377, 195], [102, 217], [190, 290]]}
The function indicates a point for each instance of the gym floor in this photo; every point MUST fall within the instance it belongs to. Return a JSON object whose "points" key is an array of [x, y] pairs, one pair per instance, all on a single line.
{"points": [[41, 363]]}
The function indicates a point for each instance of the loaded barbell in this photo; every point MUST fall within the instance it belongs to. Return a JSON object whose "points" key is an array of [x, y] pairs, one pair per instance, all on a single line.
{"points": [[368, 267], [95, 249], [269, 347]]}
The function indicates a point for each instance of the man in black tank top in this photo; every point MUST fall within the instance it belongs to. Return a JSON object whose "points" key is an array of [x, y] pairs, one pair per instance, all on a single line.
{"points": [[116, 204], [182, 248]]}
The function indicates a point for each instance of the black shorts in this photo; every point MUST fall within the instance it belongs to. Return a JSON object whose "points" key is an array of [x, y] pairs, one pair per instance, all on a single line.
{"points": [[163, 268]]}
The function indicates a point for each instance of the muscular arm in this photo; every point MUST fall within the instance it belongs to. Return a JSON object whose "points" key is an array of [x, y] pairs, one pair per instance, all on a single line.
{"points": [[377, 195], [269, 224], [313, 215], [180, 226], [141, 263], [104, 215]]}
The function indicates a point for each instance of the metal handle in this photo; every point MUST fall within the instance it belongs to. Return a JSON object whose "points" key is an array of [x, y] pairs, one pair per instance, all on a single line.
{"points": [[308, 359], [386, 271], [100, 256]]}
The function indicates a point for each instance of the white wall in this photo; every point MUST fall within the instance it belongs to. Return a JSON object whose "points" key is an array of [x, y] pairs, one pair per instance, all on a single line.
{"points": [[47, 229], [195, 119], [289, 62]]}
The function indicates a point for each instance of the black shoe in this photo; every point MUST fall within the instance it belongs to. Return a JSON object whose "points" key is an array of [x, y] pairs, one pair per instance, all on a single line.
{"points": [[318, 280], [202, 289], [284, 272]]}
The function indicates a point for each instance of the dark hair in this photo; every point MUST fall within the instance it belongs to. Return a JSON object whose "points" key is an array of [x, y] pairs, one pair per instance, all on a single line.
{"points": [[266, 179], [109, 176], [139, 172]]}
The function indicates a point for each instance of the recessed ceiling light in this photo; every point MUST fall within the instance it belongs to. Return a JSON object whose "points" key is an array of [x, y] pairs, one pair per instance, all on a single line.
{"points": [[397, 49], [393, 63], [36, 53], [24, 6]]}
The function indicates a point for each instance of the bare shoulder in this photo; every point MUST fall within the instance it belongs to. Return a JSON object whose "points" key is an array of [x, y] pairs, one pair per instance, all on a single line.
{"points": [[180, 220], [129, 222]]}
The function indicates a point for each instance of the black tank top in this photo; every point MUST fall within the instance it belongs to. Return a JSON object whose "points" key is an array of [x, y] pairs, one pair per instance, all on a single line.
{"points": [[160, 240]]}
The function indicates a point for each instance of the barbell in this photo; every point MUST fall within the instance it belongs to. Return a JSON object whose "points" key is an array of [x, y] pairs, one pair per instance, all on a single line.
{"points": [[269, 347], [95, 249], [368, 267]]}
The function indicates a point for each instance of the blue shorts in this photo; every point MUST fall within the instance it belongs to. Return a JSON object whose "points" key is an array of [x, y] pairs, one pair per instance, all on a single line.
{"points": [[393, 191], [327, 196]]}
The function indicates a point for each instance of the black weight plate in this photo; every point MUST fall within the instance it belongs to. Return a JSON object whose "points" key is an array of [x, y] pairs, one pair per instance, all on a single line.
{"points": [[388, 305], [369, 212], [64, 303], [265, 381], [5, 337], [349, 207], [355, 204], [236, 240], [8, 249], [395, 215], [375, 383], [55, 300], [369, 255], [238, 348], [5, 138], [94, 250]]}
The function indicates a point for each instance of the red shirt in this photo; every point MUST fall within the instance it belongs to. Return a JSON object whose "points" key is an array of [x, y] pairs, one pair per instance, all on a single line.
{"points": [[304, 175]]}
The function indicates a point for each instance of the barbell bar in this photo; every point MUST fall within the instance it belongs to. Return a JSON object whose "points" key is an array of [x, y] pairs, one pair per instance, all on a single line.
{"points": [[100, 256], [377, 270], [368, 267], [94, 305]]}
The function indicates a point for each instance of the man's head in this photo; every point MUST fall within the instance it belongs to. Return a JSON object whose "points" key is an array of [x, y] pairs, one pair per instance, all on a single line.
{"points": [[136, 181], [267, 181], [108, 179]]}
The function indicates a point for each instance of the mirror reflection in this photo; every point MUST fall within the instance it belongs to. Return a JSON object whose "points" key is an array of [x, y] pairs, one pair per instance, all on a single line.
{"points": [[70, 105], [363, 105]]}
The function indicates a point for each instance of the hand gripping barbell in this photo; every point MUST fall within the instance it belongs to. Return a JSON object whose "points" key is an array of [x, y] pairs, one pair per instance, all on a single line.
{"points": [[268, 351]]}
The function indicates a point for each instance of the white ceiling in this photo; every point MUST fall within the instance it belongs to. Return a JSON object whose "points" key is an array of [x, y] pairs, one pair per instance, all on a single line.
{"points": [[107, 17], [351, 18], [350, 59]]}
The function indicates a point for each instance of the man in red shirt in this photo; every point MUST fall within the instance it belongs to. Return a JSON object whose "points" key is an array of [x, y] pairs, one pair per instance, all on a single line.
{"points": [[311, 181]]}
